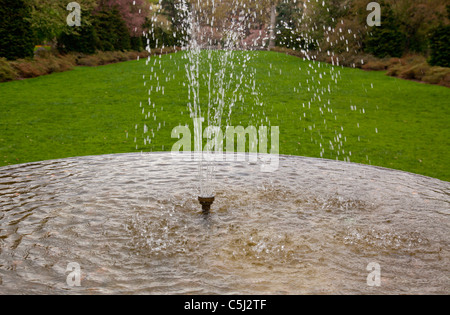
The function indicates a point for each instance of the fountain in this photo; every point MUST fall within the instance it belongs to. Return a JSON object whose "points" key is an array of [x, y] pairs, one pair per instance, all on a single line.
{"points": [[131, 221], [224, 48], [206, 203]]}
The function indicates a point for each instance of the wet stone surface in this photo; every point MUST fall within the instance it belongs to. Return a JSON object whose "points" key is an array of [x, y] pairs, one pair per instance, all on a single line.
{"points": [[133, 224]]}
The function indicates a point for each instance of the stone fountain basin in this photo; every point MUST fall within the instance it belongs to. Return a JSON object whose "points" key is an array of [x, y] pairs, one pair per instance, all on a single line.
{"points": [[133, 223]]}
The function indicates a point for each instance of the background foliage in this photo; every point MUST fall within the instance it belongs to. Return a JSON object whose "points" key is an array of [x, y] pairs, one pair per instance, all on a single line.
{"points": [[332, 27], [16, 39]]}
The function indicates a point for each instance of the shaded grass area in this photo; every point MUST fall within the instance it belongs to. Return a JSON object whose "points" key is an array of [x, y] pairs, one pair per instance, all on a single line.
{"points": [[381, 120]]}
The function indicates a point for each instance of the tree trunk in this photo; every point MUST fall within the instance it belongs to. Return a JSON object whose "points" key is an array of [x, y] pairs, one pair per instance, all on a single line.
{"points": [[273, 21]]}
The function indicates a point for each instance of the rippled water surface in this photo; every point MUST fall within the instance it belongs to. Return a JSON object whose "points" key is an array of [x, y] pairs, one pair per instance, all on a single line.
{"points": [[133, 224]]}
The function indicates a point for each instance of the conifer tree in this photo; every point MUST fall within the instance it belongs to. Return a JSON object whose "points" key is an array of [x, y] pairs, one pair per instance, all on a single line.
{"points": [[16, 36]]}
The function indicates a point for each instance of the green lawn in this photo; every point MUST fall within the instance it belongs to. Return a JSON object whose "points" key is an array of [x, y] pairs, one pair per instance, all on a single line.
{"points": [[88, 111]]}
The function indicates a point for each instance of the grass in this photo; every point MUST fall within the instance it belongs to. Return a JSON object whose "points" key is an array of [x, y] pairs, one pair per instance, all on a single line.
{"points": [[381, 120]]}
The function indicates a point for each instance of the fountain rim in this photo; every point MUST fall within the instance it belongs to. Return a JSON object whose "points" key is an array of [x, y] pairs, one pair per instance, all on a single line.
{"points": [[304, 158]]}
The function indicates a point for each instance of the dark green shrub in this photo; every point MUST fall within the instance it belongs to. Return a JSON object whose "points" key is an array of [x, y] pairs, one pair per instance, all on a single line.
{"points": [[112, 31], [108, 32], [285, 38], [160, 37], [386, 40], [136, 43], [84, 40], [286, 26], [440, 46], [16, 39]]}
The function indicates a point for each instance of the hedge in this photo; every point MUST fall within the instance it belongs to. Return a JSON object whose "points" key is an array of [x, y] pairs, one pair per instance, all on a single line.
{"points": [[16, 36], [440, 46]]}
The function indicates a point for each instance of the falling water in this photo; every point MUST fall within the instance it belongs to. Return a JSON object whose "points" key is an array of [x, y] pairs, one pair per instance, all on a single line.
{"points": [[218, 76], [219, 66]]}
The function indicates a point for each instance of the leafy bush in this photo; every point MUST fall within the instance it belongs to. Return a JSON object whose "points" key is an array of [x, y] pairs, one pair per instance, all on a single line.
{"points": [[438, 75], [28, 68], [108, 57], [31, 68], [7, 73], [416, 68], [88, 61], [377, 65], [414, 72]]}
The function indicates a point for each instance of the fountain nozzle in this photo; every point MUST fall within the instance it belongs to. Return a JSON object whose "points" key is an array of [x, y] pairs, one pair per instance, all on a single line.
{"points": [[206, 203]]}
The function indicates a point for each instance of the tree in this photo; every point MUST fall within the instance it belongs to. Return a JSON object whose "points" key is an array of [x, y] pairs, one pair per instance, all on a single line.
{"points": [[48, 18], [171, 10], [273, 21], [82, 39], [440, 46], [387, 39], [416, 19], [175, 34], [16, 37], [111, 30], [132, 12], [288, 25]]}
